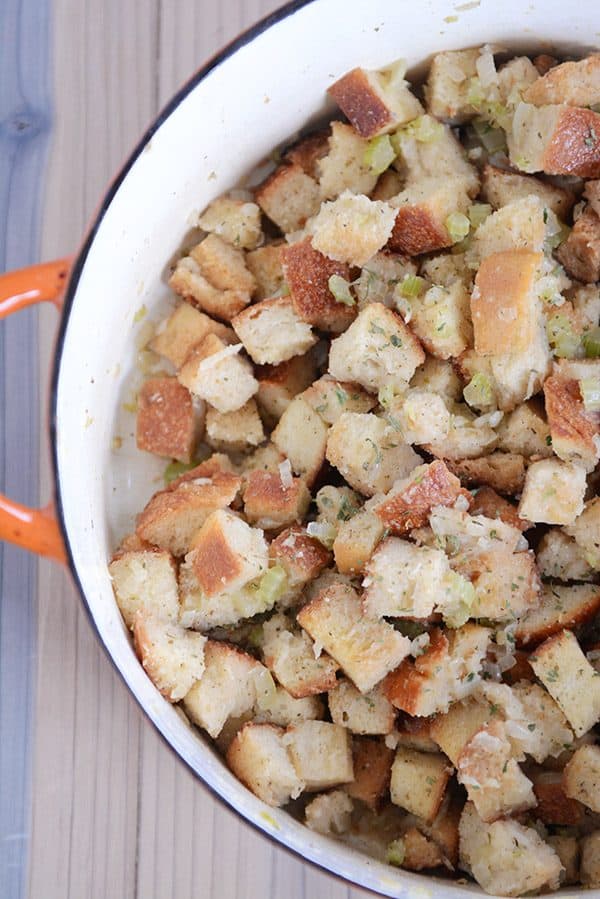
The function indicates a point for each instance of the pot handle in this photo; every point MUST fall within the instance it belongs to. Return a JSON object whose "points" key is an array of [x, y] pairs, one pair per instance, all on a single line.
{"points": [[33, 529]]}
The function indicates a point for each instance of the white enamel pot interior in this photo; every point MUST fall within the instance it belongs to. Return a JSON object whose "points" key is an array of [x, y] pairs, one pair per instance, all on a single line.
{"points": [[262, 89]]}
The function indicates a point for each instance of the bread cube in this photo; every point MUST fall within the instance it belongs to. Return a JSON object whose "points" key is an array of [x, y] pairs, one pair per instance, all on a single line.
{"points": [[403, 580], [526, 432], [518, 376], [504, 472], [368, 452], [570, 679], [561, 607], [580, 252], [301, 435], [567, 849], [185, 328], [279, 384], [377, 350], [556, 139], [506, 586], [376, 102], [361, 713], [343, 168], [265, 265], [464, 535], [505, 857], [438, 376], [239, 430], [488, 503], [500, 187], [356, 540], [281, 708], [301, 556], [172, 657], [591, 192], [441, 319], [372, 761], [288, 197], [466, 439], [581, 777], [380, 276], [420, 416], [329, 813], [269, 504], [520, 225], [203, 612], [422, 211], [454, 730], [352, 228], [223, 265], [272, 332], [217, 467], [439, 156], [590, 856], [419, 781], [308, 150], [236, 221], [574, 432], [410, 501], [321, 754], [218, 374], [259, 758], [547, 734], [336, 504], [189, 281], [331, 398], [307, 273], [574, 83], [560, 558], [503, 304], [290, 655], [585, 299], [449, 83], [414, 733], [145, 581], [586, 532], [364, 648], [554, 808], [553, 492]]}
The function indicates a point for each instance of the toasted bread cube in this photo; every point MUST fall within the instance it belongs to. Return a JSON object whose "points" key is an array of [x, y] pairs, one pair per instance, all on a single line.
{"points": [[352, 228], [442, 321], [506, 586], [172, 657], [189, 281], [216, 373], [556, 139], [553, 492], [560, 558], [330, 813], [272, 332], [420, 416], [420, 852], [259, 758], [288, 197], [422, 211], [279, 384], [414, 733], [265, 458], [270, 505], [526, 432], [585, 299], [567, 849], [167, 424], [500, 187], [554, 807], [503, 304], [586, 532], [466, 438], [410, 501], [520, 225], [301, 435], [307, 273], [403, 580], [364, 648], [368, 452], [302, 557], [463, 535], [265, 265], [379, 277], [236, 221], [372, 771], [580, 252], [356, 540], [172, 517], [218, 466], [440, 156], [308, 150], [455, 730], [574, 431], [321, 754], [204, 612], [518, 376], [592, 194], [343, 168], [331, 398], [290, 655], [361, 713], [336, 504], [185, 328], [547, 732], [226, 690], [438, 376], [222, 265], [573, 83], [504, 472], [590, 859], [377, 350], [581, 777], [239, 430], [419, 781], [376, 102], [561, 607], [449, 83], [283, 709], [505, 857], [145, 580], [487, 502], [570, 679]]}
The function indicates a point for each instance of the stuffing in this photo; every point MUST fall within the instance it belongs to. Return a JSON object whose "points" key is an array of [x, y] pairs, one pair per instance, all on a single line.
{"points": [[556, 139], [449, 84], [419, 781], [377, 350], [372, 761], [331, 398], [279, 384], [145, 581], [329, 813], [365, 649], [488, 503], [259, 758], [560, 558], [505, 586], [185, 328], [518, 376], [321, 754], [573, 83], [265, 265], [585, 299], [343, 167], [403, 580], [336, 504], [301, 556], [561, 606], [288, 197], [590, 855], [447, 268], [352, 228], [388, 185], [291, 656], [301, 435], [591, 192], [463, 535], [238, 430], [410, 501], [223, 266], [375, 102], [172, 657], [356, 540], [361, 713], [441, 319], [167, 423], [414, 733], [273, 332], [368, 452], [215, 372], [264, 458], [504, 472], [525, 431], [236, 221], [379, 277], [500, 187], [270, 504], [585, 530], [553, 492], [581, 777], [308, 272], [423, 211], [580, 252]]}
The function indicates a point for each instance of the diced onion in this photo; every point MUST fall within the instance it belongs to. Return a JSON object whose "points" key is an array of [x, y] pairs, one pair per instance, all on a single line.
{"points": [[478, 213], [457, 226], [479, 392], [563, 340], [271, 587], [590, 393], [322, 531], [285, 474], [340, 288]]}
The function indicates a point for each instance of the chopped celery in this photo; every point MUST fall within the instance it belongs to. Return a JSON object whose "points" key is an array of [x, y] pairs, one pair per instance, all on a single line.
{"points": [[412, 286], [591, 343], [479, 392], [393, 75], [424, 129], [340, 288], [475, 95], [379, 154], [493, 139], [590, 393], [456, 609], [457, 226], [478, 213], [140, 314], [323, 532], [561, 336], [176, 469], [395, 853], [271, 586]]}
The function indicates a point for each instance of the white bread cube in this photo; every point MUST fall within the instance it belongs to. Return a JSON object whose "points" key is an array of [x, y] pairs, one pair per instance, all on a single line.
{"points": [[500, 187], [561, 607], [567, 849], [380, 276], [520, 225], [270, 505], [377, 350], [581, 777], [307, 273], [419, 781], [506, 858], [420, 852], [422, 211], [290, 655], [189, 282], [376, 102], [554, 807], [506, 585], [438, 376], [301, 435], [321, 754], [185, 328], [574, 83], [551, 733], [218, 374], [504, 472], [518, 376], [352, 228], [330, 813], [403, 580], [302, 557], [343, 168], [265, 458], [272, 332], [449, 83], [364, 648], [504, 308], [574, 431], [361, 713], [368, 452], [237, 222], [331, 398], [489, 503], [454, 730], [441, 319], [202, 612], [307, 151], [560, 558], [421, 416], [440, 157], [570, 679], [372, 772], [259, 758], [238, 430], [279, 384], [223, 265], [590, 859], [553, 492], [265, 265], [447, 268], [410, 501], [356, 539], [145, 580], [580, 252], [466, 439], [586, 532], [336, 504], [586, 301], [288, 197], [281, 708], [525, 431], [167, 424], [552, 139], [172, 657], [470, 535]]}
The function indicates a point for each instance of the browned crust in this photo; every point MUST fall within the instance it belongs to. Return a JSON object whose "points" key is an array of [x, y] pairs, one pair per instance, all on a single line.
{"points": [[592, 194], [255, 310], [566, 414], [489, 503], [544, 62], [165, 419], [132, 543], [502, 312], [415, 733], [420, 852], [307, 151], [553, 87], [521, 670], [551, 626], [404, 686], [265, 496], [580, 252], [574, 148], [563, 201], [411, 508], [372, 771], [218, 467], [305, 555], [504, 472], [416, 231], [554, 806], [214, 563], [358, 101], [307, 274]]}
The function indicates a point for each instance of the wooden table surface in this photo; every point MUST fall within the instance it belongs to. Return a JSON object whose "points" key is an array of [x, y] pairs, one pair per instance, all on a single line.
{"points": [[92, 803]]}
